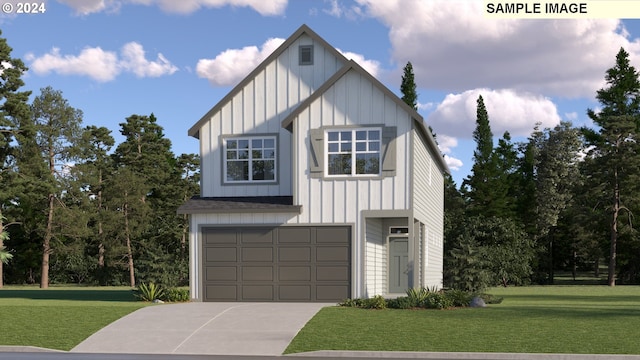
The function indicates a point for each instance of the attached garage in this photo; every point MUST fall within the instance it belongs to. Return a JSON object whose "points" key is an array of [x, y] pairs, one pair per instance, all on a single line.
{"points": [[284, 263]]}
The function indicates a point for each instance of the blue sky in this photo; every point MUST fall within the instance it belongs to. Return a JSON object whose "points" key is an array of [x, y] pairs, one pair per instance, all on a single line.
{"points": [[177, 58]]}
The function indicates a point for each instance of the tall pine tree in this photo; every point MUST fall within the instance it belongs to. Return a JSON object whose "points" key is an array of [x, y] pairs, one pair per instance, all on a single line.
{"points": [[485, 189], [616, 148], [13, 106]]}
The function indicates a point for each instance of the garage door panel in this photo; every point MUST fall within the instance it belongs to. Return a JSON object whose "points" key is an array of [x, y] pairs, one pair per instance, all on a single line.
{"points": [[257, 273], [221, 254], [257, 292], [220, 236], [334, 235], [257, 254], [221, 273], [287, 263], [333, 253], [221, 293], [332, 273], [295, 235], [294, 273], [251, 236], [295, 292], [294, 254]]}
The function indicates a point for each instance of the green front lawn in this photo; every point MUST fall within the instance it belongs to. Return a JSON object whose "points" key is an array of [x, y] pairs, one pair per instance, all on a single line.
{"points": [[60, 317], [555, 319]]}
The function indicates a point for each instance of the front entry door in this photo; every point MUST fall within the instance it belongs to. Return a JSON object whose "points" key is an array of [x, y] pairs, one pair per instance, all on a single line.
{"points": [[398, 264]]}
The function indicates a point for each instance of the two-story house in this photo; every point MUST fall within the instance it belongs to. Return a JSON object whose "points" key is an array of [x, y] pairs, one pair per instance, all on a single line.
{"points": [[318, 184]]}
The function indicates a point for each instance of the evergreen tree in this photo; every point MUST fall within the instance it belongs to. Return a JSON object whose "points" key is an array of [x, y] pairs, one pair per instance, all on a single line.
{"points": [[13, 106], [557, 177], [408, 87], [57, 126], [616, 151], [408, 90], [485, 187]]}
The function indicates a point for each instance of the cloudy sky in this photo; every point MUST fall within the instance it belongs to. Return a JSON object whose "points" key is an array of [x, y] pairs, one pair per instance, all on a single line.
{"points": [[115, 58]]}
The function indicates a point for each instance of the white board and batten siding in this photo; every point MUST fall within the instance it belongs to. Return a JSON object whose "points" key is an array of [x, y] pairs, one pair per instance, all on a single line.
{"points": [[428, 205], [352, 101], [257, 109]]}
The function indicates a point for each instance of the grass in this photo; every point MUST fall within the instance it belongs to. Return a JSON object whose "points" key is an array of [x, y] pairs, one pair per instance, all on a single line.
{"points": [[554, 319], [60, 317]]}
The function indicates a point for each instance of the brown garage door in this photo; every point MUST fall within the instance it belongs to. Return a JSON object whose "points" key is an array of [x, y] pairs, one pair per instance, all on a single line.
{"points": [[288, 263]]}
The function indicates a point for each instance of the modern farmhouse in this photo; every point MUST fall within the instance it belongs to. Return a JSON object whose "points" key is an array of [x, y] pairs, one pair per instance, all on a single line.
{"points": [[318, 184]]}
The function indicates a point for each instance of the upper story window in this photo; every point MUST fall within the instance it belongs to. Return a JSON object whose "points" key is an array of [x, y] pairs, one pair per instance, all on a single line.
{"points": [[353, 151], [305, 55], [250, 159]]}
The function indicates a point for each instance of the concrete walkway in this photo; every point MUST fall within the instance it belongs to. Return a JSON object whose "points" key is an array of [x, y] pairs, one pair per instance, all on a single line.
{"points": [[204, 328]]}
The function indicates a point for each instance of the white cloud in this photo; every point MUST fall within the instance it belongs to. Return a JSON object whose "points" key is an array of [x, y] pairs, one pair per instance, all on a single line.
{"points": [[133, 60], [446, 143], [508, 111], [452, 46], [94, 62], [86, 7], [232, 65], [571, 116], [265, 8], [335, 10], [338, 10], [101, 65], [453, 163]]}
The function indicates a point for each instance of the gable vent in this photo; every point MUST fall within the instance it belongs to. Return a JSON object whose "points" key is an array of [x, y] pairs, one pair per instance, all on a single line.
{"points": [[306, 55]]}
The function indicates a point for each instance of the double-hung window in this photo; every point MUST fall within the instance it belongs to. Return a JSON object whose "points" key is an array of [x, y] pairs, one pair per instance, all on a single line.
{"points": [[250, 159], [353, 151]]}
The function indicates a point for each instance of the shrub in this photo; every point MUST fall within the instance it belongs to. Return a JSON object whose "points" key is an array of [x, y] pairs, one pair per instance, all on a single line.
{"points": [[351, 303], [459, 298], [376, 302], [437, 300], [402, 302], [417, 296], [177, 295], [149, 292], [491, 299]]}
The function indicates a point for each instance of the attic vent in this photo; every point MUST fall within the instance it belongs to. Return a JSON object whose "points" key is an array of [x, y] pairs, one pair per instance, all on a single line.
{"points": [[306, 55]]}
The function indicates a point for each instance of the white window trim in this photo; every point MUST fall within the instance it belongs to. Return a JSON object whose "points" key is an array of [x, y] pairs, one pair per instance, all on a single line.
{"points": [[353, 152], [250, 160]]}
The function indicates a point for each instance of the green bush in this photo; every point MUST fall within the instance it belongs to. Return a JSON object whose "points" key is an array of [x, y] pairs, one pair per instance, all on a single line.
{"points": [[376, 302], [459, 298], [177, 295], [417, 296], [149, 292], [437, 300], [351, 303], [491, 299], [403, 302]]}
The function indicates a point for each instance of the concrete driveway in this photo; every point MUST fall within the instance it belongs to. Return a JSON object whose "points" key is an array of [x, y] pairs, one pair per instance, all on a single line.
{"points": [[204, 328]]}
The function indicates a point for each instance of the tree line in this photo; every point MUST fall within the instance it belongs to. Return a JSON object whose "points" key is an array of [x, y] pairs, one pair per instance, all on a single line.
{"points": [[75, 207], [563, 200]]}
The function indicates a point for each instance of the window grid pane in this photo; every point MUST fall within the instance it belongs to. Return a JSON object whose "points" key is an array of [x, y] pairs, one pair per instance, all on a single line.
{"points": [[250, 159], [341, 150]]}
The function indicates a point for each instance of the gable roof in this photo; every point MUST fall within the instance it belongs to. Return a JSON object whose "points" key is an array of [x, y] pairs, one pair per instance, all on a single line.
{"points": [[353, 66], [302, 30]]}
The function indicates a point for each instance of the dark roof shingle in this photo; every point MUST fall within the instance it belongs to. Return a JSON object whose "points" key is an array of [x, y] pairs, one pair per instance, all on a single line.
{"points": [[253, 204]]}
